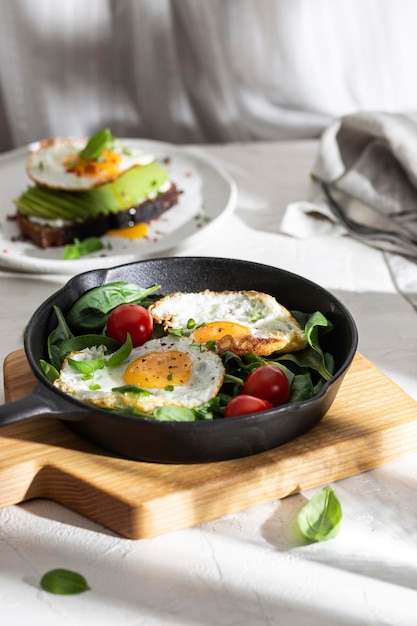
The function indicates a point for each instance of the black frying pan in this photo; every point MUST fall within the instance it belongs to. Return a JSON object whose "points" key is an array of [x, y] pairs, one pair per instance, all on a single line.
{"points": [[185, 442]]}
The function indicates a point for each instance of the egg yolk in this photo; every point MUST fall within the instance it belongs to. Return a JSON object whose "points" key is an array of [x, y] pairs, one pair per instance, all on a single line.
{"points": [[213, 331], [108, 166], [137, 231], [158, 370]]}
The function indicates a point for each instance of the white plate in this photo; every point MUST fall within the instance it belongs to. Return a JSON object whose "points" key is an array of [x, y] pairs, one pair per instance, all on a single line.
{"points": [[208, 193]]}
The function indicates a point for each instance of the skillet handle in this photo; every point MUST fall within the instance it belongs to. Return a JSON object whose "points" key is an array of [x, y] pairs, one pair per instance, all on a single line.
{"points": [[37, 404]]}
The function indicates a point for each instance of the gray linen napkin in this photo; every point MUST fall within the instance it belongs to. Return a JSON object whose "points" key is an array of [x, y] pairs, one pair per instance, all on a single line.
{"points": [[367, 168], [367, 163]]}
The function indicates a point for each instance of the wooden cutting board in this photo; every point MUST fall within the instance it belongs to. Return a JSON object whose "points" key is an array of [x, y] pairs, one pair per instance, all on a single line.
{"points": [[371, 422]]}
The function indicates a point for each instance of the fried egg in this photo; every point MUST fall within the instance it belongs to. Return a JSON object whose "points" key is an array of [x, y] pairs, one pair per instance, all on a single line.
{"points": [[58, 165], [171, 371], [237, 321]]}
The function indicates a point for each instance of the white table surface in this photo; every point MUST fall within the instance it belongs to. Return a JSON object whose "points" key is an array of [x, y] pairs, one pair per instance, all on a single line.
{"points": [[247, 568]]}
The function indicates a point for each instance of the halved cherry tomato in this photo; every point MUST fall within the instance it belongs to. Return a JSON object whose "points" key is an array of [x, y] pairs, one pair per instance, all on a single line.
{"points": [[133, 319], [269, 383], [242, 405]]}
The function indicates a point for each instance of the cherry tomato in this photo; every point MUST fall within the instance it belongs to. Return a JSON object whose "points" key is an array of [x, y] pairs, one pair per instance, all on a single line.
{"points": [[243, 404], [269, 383], [133, 319]]}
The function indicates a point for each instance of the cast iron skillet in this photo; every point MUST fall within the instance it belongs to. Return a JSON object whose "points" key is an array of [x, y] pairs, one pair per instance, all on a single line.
{"points": [[185, 442]]}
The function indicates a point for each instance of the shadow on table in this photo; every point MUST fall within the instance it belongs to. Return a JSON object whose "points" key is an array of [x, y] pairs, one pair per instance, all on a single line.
{"points": [[170, 579]]}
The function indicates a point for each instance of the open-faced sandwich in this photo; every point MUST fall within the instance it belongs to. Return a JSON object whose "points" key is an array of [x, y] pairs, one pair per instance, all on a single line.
{"points": [[84, 188]]}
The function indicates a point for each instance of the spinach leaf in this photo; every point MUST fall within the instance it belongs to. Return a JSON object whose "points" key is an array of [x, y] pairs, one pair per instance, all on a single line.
{"points": [[90, 312], [317, 325], [64, 582], [121, 354], [174, 414], [311, 359], [301, 388], [87, 341], [79, 248], [210, 409], [320, 518], [57, 338], [49, 370]]}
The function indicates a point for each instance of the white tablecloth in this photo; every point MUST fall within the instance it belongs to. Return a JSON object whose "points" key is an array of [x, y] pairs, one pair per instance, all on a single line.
{"points": [[245, 568]]}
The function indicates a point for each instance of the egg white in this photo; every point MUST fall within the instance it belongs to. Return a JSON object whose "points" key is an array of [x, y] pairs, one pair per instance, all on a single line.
{"points": [[47, 166], [270, 327], [207, 374]]}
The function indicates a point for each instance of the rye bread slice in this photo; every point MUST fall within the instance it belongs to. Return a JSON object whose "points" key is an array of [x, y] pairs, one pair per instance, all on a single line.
{"points": [[45, 236]]}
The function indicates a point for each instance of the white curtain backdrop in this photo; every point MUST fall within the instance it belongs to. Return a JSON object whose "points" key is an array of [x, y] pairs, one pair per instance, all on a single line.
{"points": [[188, 71]]}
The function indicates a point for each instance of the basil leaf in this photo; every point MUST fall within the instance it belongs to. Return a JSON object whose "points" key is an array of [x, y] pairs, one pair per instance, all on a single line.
{"points": [[320, 518], [96, 145], [90, 312], [78, 248], [121, 354], [57, 338], [87, 367], [49, 370], [132, 389], [64, 582], [174, 414]]}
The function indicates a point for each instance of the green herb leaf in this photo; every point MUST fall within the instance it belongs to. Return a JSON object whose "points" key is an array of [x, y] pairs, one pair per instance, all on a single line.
{"points": [[320, 518], [78, 248], [185, 332], [121, 354], [311, 359], [87, 367], [57, 338], [132, 389], [64, 582], [174, 414], [301, 388], [49, 370], [97, 144], [75, 344], [317, 325]]}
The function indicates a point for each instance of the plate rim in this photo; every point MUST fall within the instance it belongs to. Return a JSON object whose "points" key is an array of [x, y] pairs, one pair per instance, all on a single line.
{"points": [[36, 265]]}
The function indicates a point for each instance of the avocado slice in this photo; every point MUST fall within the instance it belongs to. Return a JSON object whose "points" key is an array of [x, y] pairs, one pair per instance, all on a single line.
{"points": [[130, 189]]}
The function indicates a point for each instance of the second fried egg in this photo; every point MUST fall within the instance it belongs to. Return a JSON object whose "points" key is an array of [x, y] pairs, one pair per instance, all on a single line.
{"points": [[237, 321]]}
